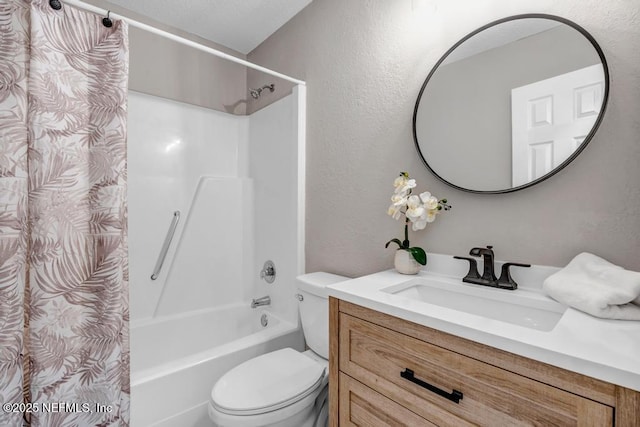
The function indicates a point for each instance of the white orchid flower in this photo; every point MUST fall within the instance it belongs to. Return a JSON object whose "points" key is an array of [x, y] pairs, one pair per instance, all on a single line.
{"points": [[431, 215], [399, 200], [394, 212], [415, 209], [421, 222], [414, 214], [400, 181], [431, 203], [419, 225], [413, 202], [408, 185]]}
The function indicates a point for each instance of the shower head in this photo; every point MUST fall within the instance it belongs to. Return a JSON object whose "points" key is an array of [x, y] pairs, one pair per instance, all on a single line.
{"points": [[255, 93]]}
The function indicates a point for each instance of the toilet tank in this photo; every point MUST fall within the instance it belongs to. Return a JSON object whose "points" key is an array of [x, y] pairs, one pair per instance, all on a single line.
{"points": [[314, 309]]}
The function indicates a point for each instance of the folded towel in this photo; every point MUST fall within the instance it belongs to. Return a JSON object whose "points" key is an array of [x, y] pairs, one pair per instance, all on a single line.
{"points": [[595, 286]]}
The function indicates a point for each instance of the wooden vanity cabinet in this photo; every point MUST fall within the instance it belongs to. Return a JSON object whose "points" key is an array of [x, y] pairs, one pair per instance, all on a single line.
{"points": [[385, 371]]}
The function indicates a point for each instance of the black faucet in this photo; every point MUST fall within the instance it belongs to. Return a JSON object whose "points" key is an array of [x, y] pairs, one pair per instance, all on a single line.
{"points": [[489, 276]]}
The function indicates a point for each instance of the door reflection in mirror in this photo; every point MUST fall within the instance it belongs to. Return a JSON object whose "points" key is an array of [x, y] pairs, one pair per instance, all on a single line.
{"points": [[550, 119]]}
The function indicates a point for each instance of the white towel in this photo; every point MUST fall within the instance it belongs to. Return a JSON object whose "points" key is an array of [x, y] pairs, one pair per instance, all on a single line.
{"points": [[595, 286]]}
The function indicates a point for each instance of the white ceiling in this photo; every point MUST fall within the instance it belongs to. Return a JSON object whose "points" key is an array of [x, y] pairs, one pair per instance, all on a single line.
{"points": [[238, 24]]}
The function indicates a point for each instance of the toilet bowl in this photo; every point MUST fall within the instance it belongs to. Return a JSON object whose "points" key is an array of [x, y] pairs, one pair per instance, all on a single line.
{"points": [[284, 388], [276, 389]]}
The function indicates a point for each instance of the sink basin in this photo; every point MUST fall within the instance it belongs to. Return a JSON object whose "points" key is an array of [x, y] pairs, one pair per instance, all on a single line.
{"points": [[520, 307]]}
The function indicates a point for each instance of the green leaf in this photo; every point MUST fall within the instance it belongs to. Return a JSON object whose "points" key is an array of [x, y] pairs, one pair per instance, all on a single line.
{"points": [[419, 255], [394, 241]]}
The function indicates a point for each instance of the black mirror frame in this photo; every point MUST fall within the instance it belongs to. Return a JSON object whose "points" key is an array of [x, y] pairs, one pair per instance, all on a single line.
{"points": [[605, 98]]}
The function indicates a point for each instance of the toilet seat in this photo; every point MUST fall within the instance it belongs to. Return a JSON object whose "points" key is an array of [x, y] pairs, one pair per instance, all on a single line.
{"points": [[268, 383]]}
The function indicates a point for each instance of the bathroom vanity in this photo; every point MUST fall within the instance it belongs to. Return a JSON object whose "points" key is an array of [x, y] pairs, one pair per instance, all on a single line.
{"points": [[402, 354]]}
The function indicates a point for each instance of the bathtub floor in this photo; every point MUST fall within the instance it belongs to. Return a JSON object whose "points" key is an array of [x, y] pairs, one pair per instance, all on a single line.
{"points": [[194, 417]]}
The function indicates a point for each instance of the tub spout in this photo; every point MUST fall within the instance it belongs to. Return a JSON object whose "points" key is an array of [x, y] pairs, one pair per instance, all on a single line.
{"points": [[260, 301]]}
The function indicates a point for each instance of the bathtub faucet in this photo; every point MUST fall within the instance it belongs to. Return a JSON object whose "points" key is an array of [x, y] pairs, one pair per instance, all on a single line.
{"points": [[260, 301]]}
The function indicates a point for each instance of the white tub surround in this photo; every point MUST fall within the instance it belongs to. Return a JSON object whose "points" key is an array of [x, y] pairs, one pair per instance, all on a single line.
{"points": [[607, 350], [188, 159], [238, 182]]}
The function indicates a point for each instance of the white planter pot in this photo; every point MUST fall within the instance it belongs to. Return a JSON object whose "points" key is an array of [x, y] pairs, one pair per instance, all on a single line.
{"points": [[405, 263]]}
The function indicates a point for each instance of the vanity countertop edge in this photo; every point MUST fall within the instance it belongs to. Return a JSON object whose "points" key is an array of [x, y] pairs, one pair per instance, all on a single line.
{"points": [[608, 350]]}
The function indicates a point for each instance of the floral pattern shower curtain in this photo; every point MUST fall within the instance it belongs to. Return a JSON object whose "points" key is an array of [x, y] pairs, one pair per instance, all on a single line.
{"points": [[63, 91], [14, 60]]}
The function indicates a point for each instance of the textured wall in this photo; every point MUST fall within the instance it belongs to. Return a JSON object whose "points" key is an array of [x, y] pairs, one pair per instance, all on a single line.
{"points": [[364, 62], [162, 67]]}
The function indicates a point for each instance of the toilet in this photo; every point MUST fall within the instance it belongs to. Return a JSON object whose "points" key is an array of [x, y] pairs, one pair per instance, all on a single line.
{"points": [[284, 388]]}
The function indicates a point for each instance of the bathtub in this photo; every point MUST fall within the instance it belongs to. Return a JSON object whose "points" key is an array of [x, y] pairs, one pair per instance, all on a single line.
{"points": [[175, 360]]}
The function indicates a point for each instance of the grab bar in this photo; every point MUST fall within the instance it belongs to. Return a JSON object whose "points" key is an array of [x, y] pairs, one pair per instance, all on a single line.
{"points": [[165, 245]]}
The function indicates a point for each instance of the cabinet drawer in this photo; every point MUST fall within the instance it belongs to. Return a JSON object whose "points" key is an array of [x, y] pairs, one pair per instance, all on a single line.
{"points": [[491, 396], [362, 406]]}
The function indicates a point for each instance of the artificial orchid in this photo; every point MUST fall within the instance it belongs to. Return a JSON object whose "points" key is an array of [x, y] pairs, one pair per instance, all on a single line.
{"points": [[418, 210]]}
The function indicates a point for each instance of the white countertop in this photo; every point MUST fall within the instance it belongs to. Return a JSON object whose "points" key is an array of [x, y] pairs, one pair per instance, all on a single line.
{"points": [[608, 350]]}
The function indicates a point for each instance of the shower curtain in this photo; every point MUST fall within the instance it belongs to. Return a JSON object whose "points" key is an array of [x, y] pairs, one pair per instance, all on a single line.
{"points": [[63, 236]]}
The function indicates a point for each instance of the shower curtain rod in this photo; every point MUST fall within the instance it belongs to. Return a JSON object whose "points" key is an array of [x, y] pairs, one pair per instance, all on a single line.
{"points": [[182, 40]]}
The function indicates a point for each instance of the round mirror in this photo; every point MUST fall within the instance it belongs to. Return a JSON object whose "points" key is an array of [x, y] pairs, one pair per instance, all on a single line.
{"points": [[511, 104]]}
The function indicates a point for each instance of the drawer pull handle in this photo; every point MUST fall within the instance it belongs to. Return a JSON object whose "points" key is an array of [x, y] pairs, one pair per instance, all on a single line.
{"points": [[454, 396]]}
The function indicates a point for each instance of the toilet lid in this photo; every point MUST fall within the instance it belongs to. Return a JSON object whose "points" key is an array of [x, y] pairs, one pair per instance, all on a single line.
{"points": [[267, 383]]}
